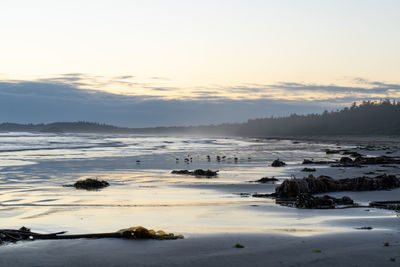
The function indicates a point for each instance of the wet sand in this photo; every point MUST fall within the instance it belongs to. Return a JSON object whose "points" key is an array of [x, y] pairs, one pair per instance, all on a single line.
{"points": [[213, 214], [363, 248]]}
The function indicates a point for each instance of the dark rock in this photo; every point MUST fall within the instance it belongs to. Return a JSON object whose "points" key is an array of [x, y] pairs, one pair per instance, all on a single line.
{"points": [[207, 173], [332, 151], [267, 180], [364, 228], [262, 195], [307, 161], [311, 185], [345, 160], [308, 170], [307, 201], [352, 154], [90, 184], [377, 160], [278, 163], [391, 205], [181, 172], [198, 172], [344, 201]]}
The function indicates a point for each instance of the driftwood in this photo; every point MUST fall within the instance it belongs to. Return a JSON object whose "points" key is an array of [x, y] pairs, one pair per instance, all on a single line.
{"points": [[11, 235]]}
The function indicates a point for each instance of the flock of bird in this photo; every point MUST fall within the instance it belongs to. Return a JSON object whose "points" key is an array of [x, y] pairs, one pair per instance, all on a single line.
{"points": [[188, 158]]}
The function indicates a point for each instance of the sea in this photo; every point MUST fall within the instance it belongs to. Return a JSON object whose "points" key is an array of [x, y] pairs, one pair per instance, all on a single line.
{"points": [[36, 169]]}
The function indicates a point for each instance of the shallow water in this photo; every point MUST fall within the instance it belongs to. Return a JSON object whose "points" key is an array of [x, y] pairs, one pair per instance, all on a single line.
{"points": [[34, 168]]}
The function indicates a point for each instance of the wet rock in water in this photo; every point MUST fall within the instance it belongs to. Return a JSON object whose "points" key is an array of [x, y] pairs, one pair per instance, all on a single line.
{"points": [[90, 184], [262, 195], [390, 205], [361, 161], [308, 161], [377, 160], [344, 201], [267, 180], [278, 163], [352, 154], [308, 170], [198, 172], [332, 151], [307, 201], [345, 160], [207, 173], [364, 228], [311, 185]]}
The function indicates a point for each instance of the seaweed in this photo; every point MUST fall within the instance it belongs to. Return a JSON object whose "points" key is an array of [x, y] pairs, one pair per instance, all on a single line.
{"points": [[138, 232]]}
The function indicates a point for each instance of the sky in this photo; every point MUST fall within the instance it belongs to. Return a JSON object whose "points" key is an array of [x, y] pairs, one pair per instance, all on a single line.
{"points": [[187, 62]]}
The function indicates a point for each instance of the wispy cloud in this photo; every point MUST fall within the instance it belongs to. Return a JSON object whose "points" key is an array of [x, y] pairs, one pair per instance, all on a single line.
{"points": [[163, 88], [70, 97]]}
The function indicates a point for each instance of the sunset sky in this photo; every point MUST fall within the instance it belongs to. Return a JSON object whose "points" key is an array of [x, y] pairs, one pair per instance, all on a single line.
{"points": [[302, 56]]}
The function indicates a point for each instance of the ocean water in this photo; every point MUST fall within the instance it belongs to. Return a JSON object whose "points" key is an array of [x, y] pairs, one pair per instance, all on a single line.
{"points": [[35, 166]]}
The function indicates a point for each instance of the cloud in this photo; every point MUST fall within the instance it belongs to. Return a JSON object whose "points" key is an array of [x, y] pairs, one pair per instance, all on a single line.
{"points": [[61, 99], [36, 102]]}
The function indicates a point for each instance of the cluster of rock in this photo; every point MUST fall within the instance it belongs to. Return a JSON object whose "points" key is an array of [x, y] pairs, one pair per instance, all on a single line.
{"points": [[308, 201], [357, 162], [391, 205], [198, 172], [343, 152], [311, 185], [299, 192]]}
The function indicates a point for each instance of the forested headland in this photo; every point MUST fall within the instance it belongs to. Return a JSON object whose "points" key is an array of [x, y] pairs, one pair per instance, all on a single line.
{"points": [[367, 118]]}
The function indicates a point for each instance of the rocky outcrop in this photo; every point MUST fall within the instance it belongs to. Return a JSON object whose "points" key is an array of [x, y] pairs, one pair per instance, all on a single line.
{"points": [[307, 201], [311, 185]]}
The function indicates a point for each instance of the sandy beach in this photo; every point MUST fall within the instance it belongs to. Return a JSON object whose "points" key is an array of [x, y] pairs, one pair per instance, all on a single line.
{"points": [[213, 214], [340, 249]]}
